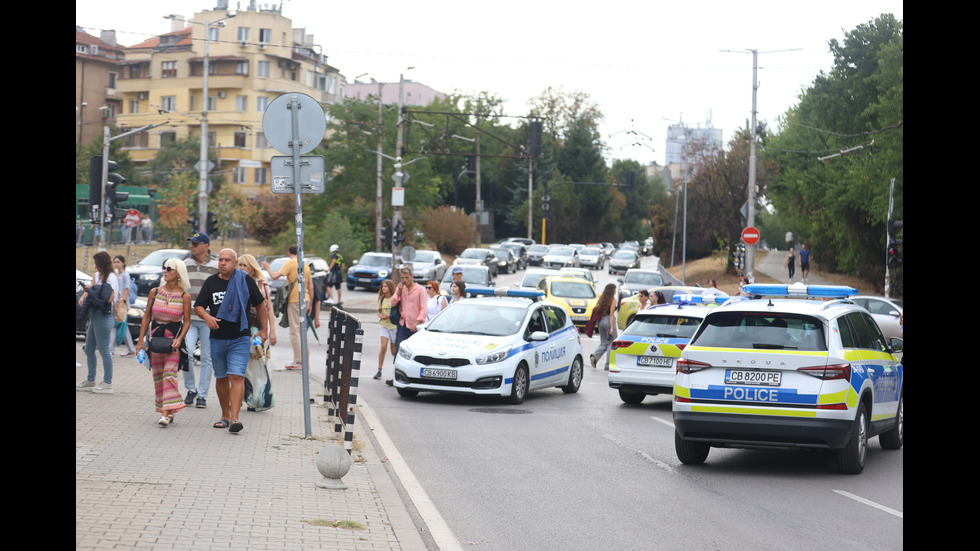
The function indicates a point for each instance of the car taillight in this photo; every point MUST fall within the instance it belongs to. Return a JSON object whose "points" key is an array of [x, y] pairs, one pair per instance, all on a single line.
{"points": [[828, 372], [690, 366], [681, 346], [620, 344]]}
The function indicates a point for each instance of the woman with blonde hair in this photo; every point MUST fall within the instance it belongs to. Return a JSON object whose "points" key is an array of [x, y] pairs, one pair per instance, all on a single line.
{"points": [[607, 323], [385, 292], [167, 316], [258, 387]]}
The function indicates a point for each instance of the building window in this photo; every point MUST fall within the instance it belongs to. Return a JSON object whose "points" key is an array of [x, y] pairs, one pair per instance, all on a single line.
{"points": [[260, 176], [168, 69], [243, 34], [112, 80], [241, 104], [238, 175], [168, 103], [261, 104], [134, 106], [167, 137], [260, 141], [136, 70], [213, 37], [212, 103], [265, 36], [263, 69], [239, 139], [241, 68]]}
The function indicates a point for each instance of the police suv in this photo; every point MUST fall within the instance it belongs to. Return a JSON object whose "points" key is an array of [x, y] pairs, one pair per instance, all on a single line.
{"points": [[771, 372], [503, 345], [643, 356]]}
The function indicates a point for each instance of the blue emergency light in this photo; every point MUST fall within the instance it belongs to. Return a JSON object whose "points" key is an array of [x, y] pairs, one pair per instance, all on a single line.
{"points": [[686, 298], [505, 292], [799, 290]]}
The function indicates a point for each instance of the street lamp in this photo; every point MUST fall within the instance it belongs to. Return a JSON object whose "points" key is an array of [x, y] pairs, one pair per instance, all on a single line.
{"points": [[202, 167]]}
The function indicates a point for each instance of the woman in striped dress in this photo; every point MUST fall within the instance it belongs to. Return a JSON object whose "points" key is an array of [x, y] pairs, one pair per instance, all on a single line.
{"points": [[168, 315]]}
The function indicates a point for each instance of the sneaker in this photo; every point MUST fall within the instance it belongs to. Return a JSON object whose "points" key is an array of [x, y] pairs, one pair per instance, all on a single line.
{"points": [[592, 359], [201, 403], [390, 382], [102, 388], [294, 366], [85, 385], [191, 394], [378, 374]]}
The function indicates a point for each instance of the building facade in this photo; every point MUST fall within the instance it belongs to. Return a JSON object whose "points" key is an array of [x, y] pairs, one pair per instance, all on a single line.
{"points": [[415, 93], [253, 56], [97, 96]]}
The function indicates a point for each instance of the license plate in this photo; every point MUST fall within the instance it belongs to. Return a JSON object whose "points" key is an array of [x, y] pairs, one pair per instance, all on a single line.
{"points": [[655, 361], [765, 378], [438, 374], [364, 280]]}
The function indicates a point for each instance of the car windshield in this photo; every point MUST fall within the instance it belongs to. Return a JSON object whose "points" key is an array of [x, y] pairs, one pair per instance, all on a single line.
{"points": [[572, 289], [624, 255], [643, 278], [531, 279], [763, 331], [157, 258], [476, 317], [537, 249], [426, 257], [589, 251], [562, 251], [501, 252], [375, 260], [514, 247], [473, 253], [671, 327], [470, 276]]}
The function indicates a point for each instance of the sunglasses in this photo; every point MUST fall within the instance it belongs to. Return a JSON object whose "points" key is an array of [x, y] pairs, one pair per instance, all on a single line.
{"points": [[168, 268]]}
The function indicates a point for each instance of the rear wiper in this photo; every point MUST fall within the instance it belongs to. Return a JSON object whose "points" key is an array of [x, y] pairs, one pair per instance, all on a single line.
{"points": [[771, 346]]}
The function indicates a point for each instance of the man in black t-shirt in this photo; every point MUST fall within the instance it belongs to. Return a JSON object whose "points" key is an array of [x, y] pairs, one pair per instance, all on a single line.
{"points": [[223, 305]]}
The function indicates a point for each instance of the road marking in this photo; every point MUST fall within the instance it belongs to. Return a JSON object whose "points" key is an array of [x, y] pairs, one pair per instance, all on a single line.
{"points": [[668, 423], [438, 529], [859, 499], [642, 454]]}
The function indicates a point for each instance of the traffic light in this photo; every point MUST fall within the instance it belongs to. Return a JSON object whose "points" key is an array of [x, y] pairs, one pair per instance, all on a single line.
{"points": [[212, 223], [113, 197], [399, 236], [386, 234], [193, 222], [545, 204], [894, 255]]}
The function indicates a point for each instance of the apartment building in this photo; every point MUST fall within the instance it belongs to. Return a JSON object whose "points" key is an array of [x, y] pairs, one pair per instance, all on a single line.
{"points": [[97, 98]]}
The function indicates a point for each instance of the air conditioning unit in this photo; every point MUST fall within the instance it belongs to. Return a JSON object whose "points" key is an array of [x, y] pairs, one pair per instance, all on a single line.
{"points": [[243, 43], [262, 45], [221, 94], [142, 96]]}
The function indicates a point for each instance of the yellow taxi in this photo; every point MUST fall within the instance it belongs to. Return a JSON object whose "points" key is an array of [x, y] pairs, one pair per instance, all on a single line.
{"points": [[575, 294], [629, 306]]}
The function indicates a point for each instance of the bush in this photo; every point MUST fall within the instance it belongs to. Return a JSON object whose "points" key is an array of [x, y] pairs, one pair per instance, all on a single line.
{"points": [[450, 230]]}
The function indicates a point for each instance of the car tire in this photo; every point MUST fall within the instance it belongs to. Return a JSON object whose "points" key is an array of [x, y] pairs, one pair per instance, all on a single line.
{"points": [[689, 452], [631, 397], [853, 456], [519, 385], [895, 437], [350, 287], [407, 392], [575, 374]]}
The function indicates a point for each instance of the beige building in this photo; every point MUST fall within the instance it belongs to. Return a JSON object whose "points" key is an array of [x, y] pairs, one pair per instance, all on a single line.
{"points": [[254, 56], [97, 98]]}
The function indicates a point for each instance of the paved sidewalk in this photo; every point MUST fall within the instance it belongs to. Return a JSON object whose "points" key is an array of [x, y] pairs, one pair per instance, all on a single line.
{"points": [[774, 266], [191, 486]]}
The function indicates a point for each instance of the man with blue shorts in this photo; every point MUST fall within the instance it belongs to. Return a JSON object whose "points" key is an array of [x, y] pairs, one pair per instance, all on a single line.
{"points": [[224, 304]]}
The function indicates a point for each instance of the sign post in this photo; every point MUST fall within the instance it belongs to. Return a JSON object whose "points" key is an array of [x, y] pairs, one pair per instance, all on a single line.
{"points": [[294, 124]]}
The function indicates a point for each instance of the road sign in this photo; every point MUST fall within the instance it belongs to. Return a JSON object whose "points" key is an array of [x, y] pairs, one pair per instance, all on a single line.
{"points": [[278, 126], [750, 235], [133, 218], [311, 174]]}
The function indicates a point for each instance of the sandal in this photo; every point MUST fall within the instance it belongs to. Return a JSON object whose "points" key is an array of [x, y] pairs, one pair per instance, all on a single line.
{"points": [[222, 424], [170, 418], [236, 425], [163, 422]]}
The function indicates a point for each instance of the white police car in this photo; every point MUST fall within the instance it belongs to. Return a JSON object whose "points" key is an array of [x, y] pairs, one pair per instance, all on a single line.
{"points": [[497, 345], [643, 357], [789, 373]]}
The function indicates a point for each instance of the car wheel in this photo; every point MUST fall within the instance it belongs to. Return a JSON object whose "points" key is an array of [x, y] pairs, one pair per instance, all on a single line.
{"points": [[852, 457], [895, 437], [574, 377], [690, 453], [407, 392], [519, 385], [350, 287], [631, 397]]}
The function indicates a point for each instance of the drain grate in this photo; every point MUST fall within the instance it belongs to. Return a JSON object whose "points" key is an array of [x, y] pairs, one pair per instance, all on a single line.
{"points": [[500, 410]]}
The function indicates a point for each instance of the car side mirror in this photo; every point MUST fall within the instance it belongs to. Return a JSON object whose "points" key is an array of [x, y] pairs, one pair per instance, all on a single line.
{"points": [[538, 336], [354, 263], [897, 344]]}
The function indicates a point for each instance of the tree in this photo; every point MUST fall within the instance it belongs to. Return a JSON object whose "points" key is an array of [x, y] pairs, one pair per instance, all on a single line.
{"points": [[579, 159], [176, 201]]}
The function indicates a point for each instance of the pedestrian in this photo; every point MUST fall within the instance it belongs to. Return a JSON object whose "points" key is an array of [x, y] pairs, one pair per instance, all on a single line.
{"points": [[120, 307], [168, 316], [435, 302], [804, 261], [458, 292], [791, 263], [290, 270], [199, 266], [388, 333], [223, 304], [711, 290], [412, 302], [644, 297], [742, 282], [79, 233], [335, 273], [607, 323], [457, 274], [258, 386], [658, 298], [97, 299]]}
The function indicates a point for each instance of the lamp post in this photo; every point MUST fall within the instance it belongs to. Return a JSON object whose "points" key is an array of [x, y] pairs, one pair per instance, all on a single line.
{"points": [[203, 165]]}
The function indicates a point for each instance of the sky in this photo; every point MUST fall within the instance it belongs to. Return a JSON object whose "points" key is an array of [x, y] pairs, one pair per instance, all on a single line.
{"points": [[646, 64]]}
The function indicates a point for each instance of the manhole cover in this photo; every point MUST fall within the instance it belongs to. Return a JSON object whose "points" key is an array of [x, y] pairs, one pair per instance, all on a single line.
{"points": [[499, 410]]}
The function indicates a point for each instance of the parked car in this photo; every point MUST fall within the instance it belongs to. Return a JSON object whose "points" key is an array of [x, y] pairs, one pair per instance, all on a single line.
{"points": [[520, 251], [318, 273], [535, 254], [623, 260], [581, 273], [533, 276], [506, 261], [428, 266], [523, 240], [473, 276], [477, 256], [885, 311], [592, 257], [369, 271], [638, 278], [148, 272], [561, 257], [628, 306], [576, 295]]}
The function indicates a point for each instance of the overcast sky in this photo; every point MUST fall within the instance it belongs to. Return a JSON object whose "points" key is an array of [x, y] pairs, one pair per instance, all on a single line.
{"points": [[646, 64]]}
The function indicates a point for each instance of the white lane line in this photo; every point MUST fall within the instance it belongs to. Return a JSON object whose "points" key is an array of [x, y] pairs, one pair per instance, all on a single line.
{"points": [[642, 454], [668, 423], [438, 529], [859, 499]]}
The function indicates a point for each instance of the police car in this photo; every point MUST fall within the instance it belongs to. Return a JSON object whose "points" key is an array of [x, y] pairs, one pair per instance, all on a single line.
{"points": [[643, 356], [777, 372], [502, 345]]}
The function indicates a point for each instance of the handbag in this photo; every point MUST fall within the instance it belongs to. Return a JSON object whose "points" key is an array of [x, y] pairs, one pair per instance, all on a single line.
{"points": [[119, 310], [590, 327], [394, 316]]}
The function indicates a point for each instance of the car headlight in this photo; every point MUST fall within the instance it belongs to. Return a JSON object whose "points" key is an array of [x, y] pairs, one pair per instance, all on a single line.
{"points": [[382, 273], [150, 277], [404, 352], [493, 357]]}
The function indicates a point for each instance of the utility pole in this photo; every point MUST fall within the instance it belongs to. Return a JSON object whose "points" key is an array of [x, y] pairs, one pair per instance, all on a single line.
{"points": [[753, 137], [399, 176], [479, 201], [378, 206]]}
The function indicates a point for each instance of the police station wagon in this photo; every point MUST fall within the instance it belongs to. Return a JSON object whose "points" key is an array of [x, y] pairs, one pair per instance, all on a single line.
{"points": [[492, 346], [789, 373]]}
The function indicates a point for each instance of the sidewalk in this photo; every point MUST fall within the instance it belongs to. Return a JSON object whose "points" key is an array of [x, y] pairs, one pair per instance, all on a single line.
{"points": [[774, 266], [191, 486]]}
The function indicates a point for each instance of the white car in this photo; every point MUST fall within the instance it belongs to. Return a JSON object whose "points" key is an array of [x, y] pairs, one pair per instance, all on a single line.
{"points": [[812, 372], [503, 346]]}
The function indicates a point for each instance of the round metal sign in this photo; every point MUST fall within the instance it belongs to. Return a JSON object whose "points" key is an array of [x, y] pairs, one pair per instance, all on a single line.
{"points": [[277, 123], [408, 253]]}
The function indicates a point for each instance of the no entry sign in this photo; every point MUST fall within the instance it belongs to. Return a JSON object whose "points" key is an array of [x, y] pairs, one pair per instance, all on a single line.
{"points": [[750, 235]]}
